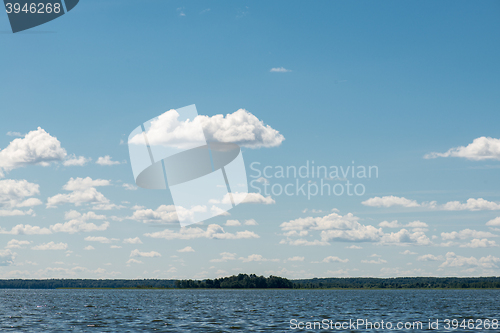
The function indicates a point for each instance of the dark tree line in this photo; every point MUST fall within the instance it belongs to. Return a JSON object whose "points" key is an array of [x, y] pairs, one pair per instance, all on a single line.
{"points": [[252, 281], [399, 283], [85, 283], [240, 281]]}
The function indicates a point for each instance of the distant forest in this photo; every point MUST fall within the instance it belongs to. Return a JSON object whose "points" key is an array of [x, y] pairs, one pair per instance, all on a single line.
{"points": [[252, 281], [399, 283], [85, 283], [241, 281]]}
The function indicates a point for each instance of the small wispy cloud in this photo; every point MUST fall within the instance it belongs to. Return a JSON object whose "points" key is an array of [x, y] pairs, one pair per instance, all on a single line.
{"points": [[280, 70], [106, 160], [180, 10], [151, 254], [50, 246], [186, 249], [483, 148], [73, 160], [129, 187]]}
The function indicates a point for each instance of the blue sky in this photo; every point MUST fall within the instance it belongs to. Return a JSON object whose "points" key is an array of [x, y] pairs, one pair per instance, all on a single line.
{"points": [[378, 83]]}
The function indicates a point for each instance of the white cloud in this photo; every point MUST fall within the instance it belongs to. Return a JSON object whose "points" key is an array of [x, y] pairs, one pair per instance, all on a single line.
{"points": [[16, 212], [303, 242], [389, 201], [133, 261], [347, 228], [163, 213], [100, 239], [494, 223], [240, 127], [7, 257], [106, 160], [453, 260], [137, 253], [36, 148], [51, 246], [75, 226], [61, 272], [430, 257], [129, 187], [393, 224], [108, 206], [233, 223], [334, 227], [186, 249], [30, 202], [355, 247], [76, 197], [225, 256], [338, 272], [407, 252], [13, 194], [448, 244], [79, 184], [472, 205], [27, 229], [16, 244], [476, 243], [396, 224], [331, 259], [83, 191], [295, 233], [295, 258], [77, 223], [359, 233], [135, 240], [245, 198], [89, 247], [213, 231], [404, 236], [73, 214], [331, 221], [483, 148], [376, 262], [256, 258], [172, 270], [218, 211], [115, 247], [280, 70], [466, 233], [166, 213], [72, 160], [417, 224], [251, 222], [10, 133]]}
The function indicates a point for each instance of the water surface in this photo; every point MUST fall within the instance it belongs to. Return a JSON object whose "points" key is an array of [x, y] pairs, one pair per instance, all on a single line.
{"points": [[237, 310]]}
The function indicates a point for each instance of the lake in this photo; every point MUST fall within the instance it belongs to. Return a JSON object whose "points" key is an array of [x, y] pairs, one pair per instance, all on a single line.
{"points": [[248, 310]]}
